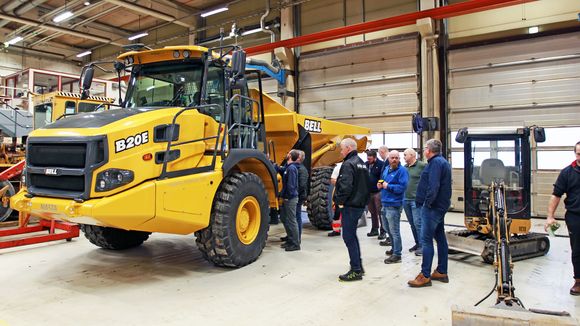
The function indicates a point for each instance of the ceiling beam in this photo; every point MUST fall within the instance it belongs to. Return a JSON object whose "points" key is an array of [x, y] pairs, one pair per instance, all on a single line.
{"points": [[53, 28], [453, 10]]}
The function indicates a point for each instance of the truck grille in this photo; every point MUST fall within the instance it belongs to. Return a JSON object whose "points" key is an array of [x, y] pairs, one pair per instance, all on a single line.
{"points": [[62, 167]]}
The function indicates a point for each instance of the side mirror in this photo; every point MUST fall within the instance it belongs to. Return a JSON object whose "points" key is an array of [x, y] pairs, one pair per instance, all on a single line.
{"points": [[461, 135], [86, 81], [238, 64], [539, 135]]}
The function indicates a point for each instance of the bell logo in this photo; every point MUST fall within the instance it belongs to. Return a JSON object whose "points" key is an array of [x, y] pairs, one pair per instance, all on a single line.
{"points": [[312, 125], [51, 172]]}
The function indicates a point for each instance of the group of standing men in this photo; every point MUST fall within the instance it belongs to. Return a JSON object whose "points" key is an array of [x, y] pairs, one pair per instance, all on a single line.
{"points": [[423, 190]]}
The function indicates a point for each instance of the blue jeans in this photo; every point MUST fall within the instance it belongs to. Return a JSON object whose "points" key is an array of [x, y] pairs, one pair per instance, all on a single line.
{"points": [[393, 215], [432, 227], [299, 217], [414, 216], [350, 217]]}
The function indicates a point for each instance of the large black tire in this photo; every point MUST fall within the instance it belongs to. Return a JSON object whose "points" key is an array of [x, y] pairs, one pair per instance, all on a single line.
{"points": [[6, 211], [225, 241], [112, 238], [319, 207]]}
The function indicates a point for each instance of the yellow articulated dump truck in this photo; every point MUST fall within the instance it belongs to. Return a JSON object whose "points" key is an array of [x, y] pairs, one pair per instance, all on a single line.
{"points": [[53, 106], [190, 150]]}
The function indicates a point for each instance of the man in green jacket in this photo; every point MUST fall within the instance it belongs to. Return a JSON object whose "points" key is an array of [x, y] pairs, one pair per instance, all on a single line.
{"points": [[414, 167]]}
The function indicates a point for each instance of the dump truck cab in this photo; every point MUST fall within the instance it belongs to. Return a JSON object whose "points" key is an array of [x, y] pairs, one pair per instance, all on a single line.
{"points": [[189, 151], [53, 106]]}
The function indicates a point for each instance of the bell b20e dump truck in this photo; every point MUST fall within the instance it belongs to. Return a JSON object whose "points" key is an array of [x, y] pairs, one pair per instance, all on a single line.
{"points": [[190, 150]]}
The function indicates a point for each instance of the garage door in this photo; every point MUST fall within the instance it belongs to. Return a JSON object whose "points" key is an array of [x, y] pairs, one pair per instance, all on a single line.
{"points": [[369, 85], [521, 83]]}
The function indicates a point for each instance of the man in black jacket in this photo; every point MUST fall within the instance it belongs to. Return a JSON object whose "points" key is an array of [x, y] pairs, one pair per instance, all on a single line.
{"points": [[375, 167], [568, 183], [351, 194]]}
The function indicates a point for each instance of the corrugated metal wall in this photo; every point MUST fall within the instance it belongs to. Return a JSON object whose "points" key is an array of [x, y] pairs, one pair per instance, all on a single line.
{"points": [[371, 85], [520, 83]]}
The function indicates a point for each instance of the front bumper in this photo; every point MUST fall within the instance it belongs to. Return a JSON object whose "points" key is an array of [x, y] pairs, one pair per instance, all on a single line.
{"points": [[127, 210]]}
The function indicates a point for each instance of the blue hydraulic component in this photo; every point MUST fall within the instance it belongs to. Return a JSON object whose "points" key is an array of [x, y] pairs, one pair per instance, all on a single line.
{"points": [[280, 76]]}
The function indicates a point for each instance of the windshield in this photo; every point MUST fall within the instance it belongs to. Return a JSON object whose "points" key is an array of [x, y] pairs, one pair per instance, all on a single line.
{"points": [[91, 107], [163, 85]]}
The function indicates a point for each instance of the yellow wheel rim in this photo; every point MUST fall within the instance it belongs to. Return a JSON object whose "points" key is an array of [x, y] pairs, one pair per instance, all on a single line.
{"points": [[248, 220]]}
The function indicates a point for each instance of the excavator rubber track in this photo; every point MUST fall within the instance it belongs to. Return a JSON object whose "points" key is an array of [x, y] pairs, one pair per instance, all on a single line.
{"points": [[521, 246]]}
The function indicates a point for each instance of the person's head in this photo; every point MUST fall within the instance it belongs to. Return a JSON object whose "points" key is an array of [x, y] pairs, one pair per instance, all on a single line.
{"points": [[383, 152], [301, 157], [372, 156], [347, 145], [577, 150], [293, 156], [410, 156], [394, 158], [432, 148]]}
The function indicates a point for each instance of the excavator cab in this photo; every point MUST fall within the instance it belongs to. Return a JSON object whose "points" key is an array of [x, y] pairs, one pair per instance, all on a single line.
{"points": [[498, 156]]}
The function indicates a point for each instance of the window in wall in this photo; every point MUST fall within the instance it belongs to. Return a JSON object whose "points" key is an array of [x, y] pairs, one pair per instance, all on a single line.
{"points": [[69, 84], [564, 136], [401, 140], [554, 160], [45, 83]]}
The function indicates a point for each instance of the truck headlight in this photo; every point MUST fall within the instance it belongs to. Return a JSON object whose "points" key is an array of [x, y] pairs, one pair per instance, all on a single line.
{"points": [[113, 178]]}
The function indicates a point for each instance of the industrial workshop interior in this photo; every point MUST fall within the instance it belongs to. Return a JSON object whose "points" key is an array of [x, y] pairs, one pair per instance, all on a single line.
{"points": [[290, 162]]}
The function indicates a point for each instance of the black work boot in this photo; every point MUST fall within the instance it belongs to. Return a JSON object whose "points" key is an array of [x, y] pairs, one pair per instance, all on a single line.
{"points": [[351, 276]]}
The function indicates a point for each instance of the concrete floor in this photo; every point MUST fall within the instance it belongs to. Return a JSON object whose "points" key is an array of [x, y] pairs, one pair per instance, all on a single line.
{"points": [[167, 282]]}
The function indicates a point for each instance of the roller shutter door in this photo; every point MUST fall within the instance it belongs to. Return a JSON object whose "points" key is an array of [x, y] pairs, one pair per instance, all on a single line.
{"points": [[520, 83], [370, 85]]}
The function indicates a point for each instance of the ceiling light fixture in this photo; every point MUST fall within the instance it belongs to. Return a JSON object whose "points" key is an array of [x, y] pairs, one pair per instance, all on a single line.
{"points": [[136, 36], [82, 54], [87, 3], [533, 30], [251, 31], [63, 16], [14, 40], [214, 11]]}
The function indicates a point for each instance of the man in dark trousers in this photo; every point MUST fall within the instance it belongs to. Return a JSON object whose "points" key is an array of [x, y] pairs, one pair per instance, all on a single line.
{"points": [[289, 195], [435, 193], [375, 167], [351, 194], [302, 189], [568, 183]]}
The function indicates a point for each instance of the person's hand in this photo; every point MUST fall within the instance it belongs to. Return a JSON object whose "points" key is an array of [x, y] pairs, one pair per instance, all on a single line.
{"points": [[549, 221], [385, 184], [379, 185]]}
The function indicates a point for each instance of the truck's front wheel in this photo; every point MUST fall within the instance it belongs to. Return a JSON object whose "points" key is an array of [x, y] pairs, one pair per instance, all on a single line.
{"points": [[238, 226], [112, 238]]}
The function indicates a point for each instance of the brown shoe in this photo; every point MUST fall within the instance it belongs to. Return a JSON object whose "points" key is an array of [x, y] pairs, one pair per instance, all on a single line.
{"points": [[575, 290], [436, 276], [420, 281]]}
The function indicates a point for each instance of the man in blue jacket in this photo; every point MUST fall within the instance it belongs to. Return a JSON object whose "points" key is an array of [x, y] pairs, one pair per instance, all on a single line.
{"points": [[395, 179], [434, 192], [289, 195]]}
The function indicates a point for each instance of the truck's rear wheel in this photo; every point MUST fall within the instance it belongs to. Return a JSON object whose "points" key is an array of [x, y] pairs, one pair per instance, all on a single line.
{"points": [[320, 211], [238, 227], [112, 238]]}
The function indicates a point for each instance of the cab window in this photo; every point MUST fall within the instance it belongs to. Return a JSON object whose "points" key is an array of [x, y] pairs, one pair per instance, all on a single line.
{"points": [[70, 107], [42, 115]]}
